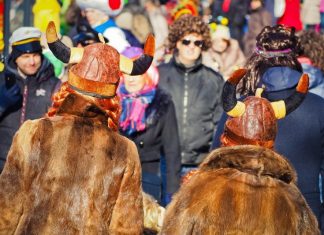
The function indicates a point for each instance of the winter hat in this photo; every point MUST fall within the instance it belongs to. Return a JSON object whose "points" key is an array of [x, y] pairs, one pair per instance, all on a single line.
{"points": [[110, 7], [25, 40]]}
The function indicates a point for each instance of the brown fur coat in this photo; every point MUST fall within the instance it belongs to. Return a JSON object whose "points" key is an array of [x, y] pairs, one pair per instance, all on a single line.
{"points": [[240, 190], [71, 174]]}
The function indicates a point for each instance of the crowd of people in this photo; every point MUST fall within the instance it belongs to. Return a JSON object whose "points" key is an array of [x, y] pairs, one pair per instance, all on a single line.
{"points": [[94, 122]]}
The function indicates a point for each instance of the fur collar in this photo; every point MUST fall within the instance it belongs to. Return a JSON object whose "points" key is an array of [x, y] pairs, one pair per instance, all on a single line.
{"points": [[79, 105], [251, 159]]}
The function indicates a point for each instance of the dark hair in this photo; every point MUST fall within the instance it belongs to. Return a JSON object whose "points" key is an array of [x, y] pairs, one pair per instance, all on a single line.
{"points": [[312, 47], [275, 39], [188, 24]]}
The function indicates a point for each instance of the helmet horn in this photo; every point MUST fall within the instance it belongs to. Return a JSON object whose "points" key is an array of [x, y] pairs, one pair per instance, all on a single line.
{"points": [[141, 64], [283, 107], [231, 106], [61, 51]]}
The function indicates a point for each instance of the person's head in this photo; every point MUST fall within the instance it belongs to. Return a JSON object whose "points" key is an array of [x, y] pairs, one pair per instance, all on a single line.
{"points": [[221, 38], [275, 46], [256, 4], [312, 47], [188, 37], [254, 121], [96, 71], [98, 11], [148, 80], [26, 49]]}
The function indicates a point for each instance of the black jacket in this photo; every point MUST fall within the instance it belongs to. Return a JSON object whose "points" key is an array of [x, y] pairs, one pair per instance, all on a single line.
{"points": [[38, 99], [196, 93], [160, 138]]}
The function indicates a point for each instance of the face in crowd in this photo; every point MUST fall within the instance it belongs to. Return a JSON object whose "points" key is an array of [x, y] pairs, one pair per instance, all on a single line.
{"points": [[189, 48], [29, 63], [134, 83]]}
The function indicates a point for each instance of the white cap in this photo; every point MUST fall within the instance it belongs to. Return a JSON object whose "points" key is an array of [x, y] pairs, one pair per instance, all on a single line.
{"points": [[24, 33], [221, 31]]}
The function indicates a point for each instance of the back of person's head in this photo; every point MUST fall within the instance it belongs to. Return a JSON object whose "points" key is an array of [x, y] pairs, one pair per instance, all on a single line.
{"points": [[25, 40], [254, 121], [275, 46], [312, 47], [188, 24]]}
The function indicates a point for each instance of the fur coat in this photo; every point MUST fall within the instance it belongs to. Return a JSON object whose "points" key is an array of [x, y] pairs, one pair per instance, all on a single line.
{"points": [[240, 190], [71, 174]]}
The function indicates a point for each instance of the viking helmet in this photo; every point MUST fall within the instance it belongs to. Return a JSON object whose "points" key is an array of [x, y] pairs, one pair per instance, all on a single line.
{"points": [[254, 121], [97, 67]]}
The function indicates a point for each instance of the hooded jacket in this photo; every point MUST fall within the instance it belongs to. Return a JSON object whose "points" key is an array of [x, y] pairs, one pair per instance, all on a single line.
{"points": [[300, 135], [196, 94], [36, 92]]}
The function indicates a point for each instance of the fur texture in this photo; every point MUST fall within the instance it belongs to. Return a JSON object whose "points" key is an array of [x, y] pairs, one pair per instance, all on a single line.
{"points": [[70, 174], [240, 190]]}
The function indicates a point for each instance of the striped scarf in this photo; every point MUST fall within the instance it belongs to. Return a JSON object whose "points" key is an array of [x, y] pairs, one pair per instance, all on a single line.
{"points": [[133, 117]]}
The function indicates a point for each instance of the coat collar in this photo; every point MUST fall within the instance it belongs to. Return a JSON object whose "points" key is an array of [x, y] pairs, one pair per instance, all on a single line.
{"points": [[82, 106]]}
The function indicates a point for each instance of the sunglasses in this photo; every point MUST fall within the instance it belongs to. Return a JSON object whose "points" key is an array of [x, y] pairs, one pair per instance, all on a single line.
{"points": [[197, 43]]}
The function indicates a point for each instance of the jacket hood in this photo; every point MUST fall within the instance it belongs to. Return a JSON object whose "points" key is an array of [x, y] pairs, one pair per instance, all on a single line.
{"points": [[279, 78], [45, 72]]}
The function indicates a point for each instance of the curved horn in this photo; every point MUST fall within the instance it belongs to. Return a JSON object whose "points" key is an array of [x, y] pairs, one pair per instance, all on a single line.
{"points": [[61, 51], [140, 65], [283, 107], [231, 106]]}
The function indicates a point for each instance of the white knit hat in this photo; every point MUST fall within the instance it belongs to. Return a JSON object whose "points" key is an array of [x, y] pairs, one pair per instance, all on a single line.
{"points": [[221, 31], [110, 7]]}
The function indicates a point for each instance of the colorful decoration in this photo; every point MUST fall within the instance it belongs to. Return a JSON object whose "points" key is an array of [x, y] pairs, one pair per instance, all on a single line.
{"points": [[46, 11]]}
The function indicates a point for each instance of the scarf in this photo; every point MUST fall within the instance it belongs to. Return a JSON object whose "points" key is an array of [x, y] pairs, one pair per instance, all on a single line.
{"points": [[133, 118]]}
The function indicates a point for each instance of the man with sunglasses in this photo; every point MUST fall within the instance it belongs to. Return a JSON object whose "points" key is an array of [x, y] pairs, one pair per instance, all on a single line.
{"points": [[195, 89]]}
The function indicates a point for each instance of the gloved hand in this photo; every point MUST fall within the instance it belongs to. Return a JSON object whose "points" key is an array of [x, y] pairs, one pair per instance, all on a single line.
{"points": [[9, 97]]}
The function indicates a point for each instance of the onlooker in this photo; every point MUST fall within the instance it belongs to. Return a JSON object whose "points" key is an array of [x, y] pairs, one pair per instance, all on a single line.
{"points": [[195, 88], [258, 18], [26, 85], [311, 59], [225, 54], [99, 15], [71, 172], [148, 118], [301, 135], [310, 14]]}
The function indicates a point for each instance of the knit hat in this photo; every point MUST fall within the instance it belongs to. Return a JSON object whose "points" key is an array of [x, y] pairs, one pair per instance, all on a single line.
{"points": [[254, 121], [25, 40], [97, 67]]}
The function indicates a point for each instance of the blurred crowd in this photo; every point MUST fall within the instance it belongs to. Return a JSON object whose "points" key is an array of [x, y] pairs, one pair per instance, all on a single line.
{"points": [[174, 112]]}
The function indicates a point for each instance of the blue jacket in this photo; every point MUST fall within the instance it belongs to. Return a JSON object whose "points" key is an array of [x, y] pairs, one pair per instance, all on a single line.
{"points": [[300, 136]]}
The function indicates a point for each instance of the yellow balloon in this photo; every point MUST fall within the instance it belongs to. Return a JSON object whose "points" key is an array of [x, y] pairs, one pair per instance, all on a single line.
{"points": [[46, 11]]}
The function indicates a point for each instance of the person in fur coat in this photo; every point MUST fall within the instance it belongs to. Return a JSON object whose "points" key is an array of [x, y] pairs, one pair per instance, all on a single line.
{"points": [[71, 172], [245, 187]]}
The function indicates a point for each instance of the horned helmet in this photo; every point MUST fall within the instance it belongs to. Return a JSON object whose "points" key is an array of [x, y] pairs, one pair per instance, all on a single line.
{"points": [[97, 67]]}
